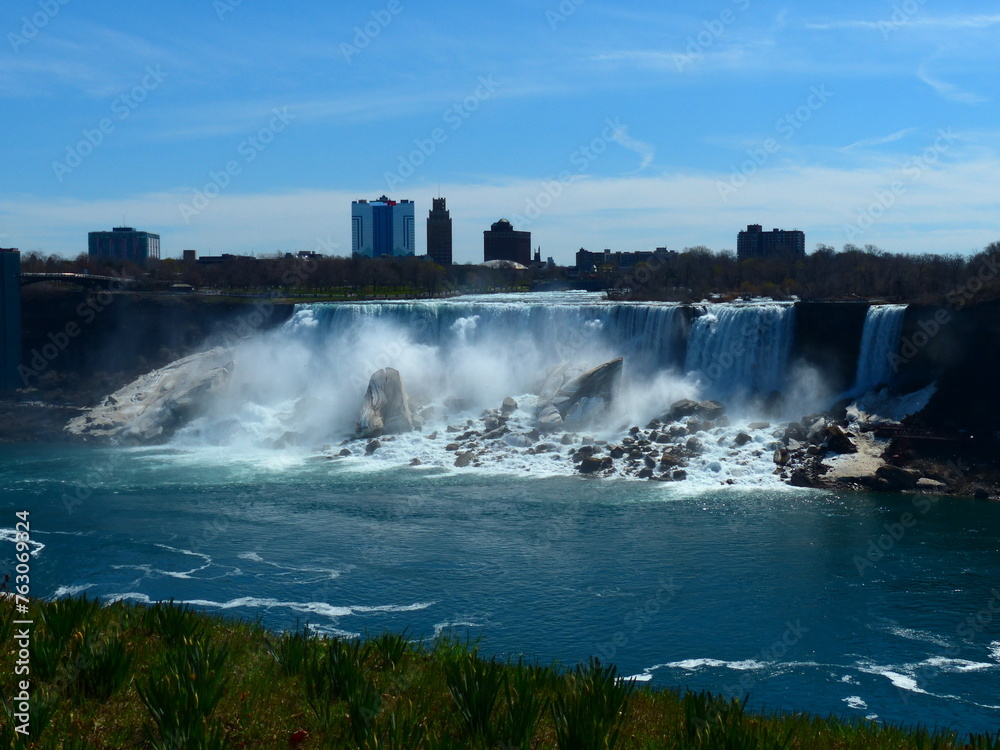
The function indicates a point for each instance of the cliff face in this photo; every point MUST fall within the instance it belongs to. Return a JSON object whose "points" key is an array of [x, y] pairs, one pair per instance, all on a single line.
{"points": [[960, 349], [828, 336], [78, 346]]}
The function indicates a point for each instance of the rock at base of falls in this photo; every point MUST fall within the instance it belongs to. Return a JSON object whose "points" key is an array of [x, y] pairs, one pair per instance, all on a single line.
{"points": [[386, 409], [582, 397], [153, 407]]}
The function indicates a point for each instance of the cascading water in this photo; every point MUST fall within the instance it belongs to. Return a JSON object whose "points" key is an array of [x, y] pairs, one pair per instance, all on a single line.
{"points": [[741, 350], [880, 340]]}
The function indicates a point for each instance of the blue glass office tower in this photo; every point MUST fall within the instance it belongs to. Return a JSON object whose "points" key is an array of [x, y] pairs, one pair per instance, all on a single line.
{"points": [[383, 227]]}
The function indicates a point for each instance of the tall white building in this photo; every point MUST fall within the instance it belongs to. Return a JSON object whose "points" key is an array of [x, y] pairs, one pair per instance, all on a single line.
{"points": [[383, 227]]}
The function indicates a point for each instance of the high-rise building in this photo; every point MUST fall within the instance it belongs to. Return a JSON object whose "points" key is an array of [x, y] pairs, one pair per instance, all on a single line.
{"points": [[383, 227], [439, 233], [501, 242], [124, 243], [10, 319], [753, 242]]}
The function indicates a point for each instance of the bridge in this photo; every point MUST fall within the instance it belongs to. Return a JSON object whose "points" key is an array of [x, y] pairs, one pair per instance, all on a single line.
{"points": [[83, 279]]}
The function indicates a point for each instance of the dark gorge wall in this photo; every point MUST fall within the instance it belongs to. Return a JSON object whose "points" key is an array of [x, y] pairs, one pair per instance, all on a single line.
{"points": [[828, 337], [80, 345]]}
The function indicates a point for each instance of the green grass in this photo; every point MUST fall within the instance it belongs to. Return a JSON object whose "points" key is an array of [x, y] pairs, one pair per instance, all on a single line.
{"points": [[167, 678]]}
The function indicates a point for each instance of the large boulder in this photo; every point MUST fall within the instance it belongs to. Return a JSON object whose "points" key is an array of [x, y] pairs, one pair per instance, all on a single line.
{"points": [[898, 478], [386, 409], [582, 397], [839, 441], [153, 407], [680, 409]]}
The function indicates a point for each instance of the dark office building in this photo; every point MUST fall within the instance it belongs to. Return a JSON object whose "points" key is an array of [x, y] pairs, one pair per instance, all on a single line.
{"points": [[778, 243], [501, 242], [439, 233], [10, 319], [124, 243]]}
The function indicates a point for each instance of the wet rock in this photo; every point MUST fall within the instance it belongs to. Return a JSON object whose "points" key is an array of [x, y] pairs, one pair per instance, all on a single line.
{"points": [[781, 457], [432, 436], [800, 478], [549, 419], [653, 424], [712, 410], [545, 448], [453, 446], [509, 405], [795, 431], [416, 462], [759, 426], [679, 475], [373, 446], [591, 465], [694, 445], [654, 437], [567, 439], [742, 439], [680, 409], [464, 459], [616, 451], [817, 432], [981, 494], [839, 441], [519, 441], [496, 434], [452, 428], [898, 478], [646, 473], [924, 483], [533, 435], [344, 452], [650, 462], [663, 439], [386, 409], [677, 430], [695, 425], [154, 406], [491, 422]]}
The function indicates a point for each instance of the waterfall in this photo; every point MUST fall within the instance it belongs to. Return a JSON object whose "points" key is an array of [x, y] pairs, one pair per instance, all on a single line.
{"points": [[741, 349], [882, 332], [648, 335]]}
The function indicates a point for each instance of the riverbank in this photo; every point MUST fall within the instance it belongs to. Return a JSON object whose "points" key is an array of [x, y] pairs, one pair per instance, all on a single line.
{"points": [[127, 675]]}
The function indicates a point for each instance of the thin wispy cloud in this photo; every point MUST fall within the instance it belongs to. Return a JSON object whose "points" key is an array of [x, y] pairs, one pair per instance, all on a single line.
{"points": [[916, 20], [643, 149], [879, 140], [948, 90]]}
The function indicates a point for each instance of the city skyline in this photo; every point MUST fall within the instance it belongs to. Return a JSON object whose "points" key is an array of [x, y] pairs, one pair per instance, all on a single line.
{"points": [[230, 127]]}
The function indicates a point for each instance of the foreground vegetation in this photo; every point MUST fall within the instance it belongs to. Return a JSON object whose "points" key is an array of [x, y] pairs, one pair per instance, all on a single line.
{"points": [[164, 677]]}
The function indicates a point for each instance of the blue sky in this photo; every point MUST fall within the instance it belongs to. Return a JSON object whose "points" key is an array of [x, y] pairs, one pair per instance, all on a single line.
{"points": [[249, 126]]}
